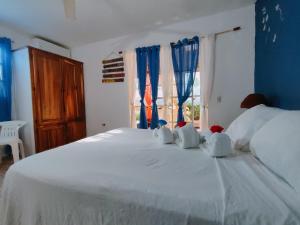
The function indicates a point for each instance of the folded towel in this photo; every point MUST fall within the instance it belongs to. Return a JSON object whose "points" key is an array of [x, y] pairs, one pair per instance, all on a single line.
{"points": [[204, 136], [218, 145], [187, 137], [155, 134], [165, 135]]}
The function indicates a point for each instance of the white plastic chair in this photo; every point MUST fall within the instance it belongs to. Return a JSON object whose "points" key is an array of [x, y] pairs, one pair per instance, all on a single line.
{"points": [[9, 135]]}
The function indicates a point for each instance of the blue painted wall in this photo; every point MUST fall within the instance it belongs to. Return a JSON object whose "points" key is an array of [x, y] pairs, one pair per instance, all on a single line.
{"points": [[277, 60]]}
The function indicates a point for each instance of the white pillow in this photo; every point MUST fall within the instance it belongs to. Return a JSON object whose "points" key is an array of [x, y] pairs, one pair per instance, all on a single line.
{"points": [[242, 129], [277, 145]]}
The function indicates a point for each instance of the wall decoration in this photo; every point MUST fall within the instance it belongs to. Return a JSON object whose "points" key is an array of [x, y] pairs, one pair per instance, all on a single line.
{"points": [[112, 80], [271, 17], [277, 52], [116, 75], [113, 68]]}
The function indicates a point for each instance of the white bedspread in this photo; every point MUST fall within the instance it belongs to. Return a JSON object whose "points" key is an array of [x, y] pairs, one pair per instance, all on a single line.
{"points": [[126, 177]]}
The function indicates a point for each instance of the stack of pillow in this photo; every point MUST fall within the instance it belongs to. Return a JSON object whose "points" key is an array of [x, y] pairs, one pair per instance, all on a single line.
{"points": [[273, 136], [243, 128]]}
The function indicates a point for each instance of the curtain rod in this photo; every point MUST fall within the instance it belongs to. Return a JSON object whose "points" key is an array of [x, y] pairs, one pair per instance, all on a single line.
{"points": [[226, 31], [222, 32], [231, 30]]}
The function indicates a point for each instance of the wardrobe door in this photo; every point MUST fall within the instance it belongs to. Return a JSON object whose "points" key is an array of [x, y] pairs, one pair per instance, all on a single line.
{"points": [[76, 130], [47, 88], [74, 99], [50, 137], [73, 90], [47, 99]]}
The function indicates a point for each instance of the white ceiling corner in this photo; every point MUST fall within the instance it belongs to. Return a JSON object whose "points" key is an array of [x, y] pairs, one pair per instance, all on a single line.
{"points": [[102, 19]]}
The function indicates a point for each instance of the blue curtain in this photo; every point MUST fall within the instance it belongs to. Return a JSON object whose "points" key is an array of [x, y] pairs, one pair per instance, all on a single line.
{"points": [[141, 60], [5, 79], [153, 61], [185, 55]]}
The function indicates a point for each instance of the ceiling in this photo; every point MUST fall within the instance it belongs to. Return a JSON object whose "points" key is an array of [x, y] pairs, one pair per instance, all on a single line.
{"points": [[103, 19]]}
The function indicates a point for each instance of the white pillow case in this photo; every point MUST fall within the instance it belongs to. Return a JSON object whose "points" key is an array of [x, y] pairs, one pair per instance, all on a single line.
{"points": [[277, 145], [242, 129]]}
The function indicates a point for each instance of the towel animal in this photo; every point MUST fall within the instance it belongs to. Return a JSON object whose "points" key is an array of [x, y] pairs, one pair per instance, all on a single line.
{"points": [[187, 137], [165, 135], [218, 145]]}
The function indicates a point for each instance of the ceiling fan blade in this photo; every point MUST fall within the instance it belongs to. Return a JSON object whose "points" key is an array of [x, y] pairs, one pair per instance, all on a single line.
{"points": [[69, 6]]}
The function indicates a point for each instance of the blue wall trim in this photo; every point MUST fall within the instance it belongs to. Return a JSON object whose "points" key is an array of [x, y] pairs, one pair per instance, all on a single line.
{"points": [[277, 50]]}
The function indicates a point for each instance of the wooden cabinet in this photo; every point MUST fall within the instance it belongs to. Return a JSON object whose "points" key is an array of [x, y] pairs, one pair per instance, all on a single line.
{"points": [[50, 136], [74, 100], [57, 98], [73, 90], [47, 88], [75, 130]]}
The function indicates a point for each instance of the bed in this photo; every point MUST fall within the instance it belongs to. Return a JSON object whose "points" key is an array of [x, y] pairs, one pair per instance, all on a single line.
{"points": [[125, 177]]}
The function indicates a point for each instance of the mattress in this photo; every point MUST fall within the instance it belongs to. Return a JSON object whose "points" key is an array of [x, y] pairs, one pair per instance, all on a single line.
{"points": [[126, 177]]}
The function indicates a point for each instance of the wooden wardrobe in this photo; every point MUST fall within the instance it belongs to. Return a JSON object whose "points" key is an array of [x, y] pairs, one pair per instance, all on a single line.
{"points": [[55, 93]]}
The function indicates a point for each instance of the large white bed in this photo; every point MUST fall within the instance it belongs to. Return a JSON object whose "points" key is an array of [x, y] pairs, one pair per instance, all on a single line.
{"points": [[126, 177]]}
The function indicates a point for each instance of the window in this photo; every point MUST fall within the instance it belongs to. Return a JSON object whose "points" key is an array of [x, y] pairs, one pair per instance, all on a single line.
{"points": [[148, 100], [191, 108]]}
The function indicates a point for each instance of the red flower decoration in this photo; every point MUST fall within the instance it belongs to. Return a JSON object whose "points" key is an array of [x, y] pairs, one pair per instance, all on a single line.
{"points": [[181, 124], [216, 129]]}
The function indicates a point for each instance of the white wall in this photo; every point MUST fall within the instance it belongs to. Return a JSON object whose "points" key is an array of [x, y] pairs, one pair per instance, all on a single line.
{"points": [[19, 38], [108, 103], [23, 98]]}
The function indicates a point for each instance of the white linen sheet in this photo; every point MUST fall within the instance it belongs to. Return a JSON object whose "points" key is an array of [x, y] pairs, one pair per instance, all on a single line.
{"points": [[126, 177]]}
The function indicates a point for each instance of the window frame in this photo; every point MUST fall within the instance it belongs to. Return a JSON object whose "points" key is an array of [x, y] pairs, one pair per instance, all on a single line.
{"points": [[192, 97], [173, 121]]}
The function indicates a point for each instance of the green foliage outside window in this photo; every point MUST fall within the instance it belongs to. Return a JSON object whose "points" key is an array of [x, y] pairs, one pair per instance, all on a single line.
{"points": [[196, 111]]}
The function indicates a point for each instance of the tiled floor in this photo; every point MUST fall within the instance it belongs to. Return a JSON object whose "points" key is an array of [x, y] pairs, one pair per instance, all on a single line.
{"points": [[5, 164]]}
